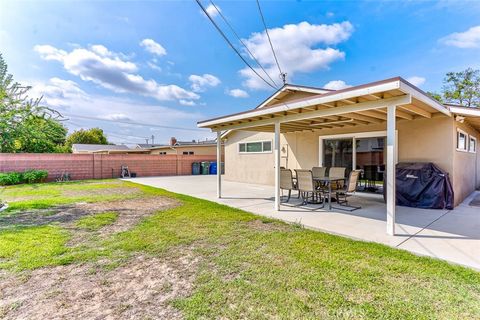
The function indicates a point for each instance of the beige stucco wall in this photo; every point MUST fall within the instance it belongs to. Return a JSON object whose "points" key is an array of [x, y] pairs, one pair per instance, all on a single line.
{"points": [[201, 151], [421, 140], [466, 165]]}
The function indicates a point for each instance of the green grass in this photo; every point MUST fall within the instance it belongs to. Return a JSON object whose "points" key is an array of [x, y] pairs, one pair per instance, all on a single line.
{"points": [[276, 271], [34, 247], [98, 221]]}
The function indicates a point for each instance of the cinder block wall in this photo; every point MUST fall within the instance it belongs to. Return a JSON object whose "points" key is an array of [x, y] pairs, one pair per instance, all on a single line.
{"points": [[101, 166]]}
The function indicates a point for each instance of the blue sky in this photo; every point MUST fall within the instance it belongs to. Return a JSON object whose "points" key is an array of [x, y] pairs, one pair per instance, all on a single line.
{"points": [[162, 62]]}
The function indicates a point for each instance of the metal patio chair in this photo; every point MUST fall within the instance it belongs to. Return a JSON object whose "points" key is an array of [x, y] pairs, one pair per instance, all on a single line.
{"points": [[348, 190]]}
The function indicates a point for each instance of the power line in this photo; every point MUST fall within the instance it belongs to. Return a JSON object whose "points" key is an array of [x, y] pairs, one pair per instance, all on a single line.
{"points": [[133, 123], [241, 41], [231, 45], [282, 75]]}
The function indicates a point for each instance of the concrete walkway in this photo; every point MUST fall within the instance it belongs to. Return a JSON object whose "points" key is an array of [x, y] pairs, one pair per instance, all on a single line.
{"points": [[450, 235]]}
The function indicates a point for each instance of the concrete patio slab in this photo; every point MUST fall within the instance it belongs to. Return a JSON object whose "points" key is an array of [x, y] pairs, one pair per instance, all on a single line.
{"points": [[449, 235]]}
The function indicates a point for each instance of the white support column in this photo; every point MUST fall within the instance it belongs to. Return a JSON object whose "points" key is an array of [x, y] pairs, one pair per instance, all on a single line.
{"points": [[390, 169], [276, 143], [354, 153], [219, 164]]}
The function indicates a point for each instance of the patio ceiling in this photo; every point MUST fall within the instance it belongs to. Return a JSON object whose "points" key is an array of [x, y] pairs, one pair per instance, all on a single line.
{"points": [[360, 105]]}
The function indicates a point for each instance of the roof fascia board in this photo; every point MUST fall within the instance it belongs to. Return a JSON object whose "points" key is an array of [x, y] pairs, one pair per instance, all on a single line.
{"points": [[464, 111], [422, 96], [361, 106]]}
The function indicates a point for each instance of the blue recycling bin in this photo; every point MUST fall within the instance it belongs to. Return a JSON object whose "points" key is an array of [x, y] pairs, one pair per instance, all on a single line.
{"points": [[213, 168]]}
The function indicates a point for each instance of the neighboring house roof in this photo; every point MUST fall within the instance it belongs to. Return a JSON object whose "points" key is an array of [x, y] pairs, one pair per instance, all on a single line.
{"points": [[80, 147], [149, 145], [191, 144], [195, 143]]}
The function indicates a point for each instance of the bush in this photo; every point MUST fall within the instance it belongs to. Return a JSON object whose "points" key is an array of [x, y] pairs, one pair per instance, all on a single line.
{"points": [[29, 176], [33, 176], [11, 178]]}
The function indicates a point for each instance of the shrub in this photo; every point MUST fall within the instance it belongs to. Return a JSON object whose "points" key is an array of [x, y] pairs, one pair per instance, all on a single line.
{"points": [[29, 176], [33, 176], [11, 178]]}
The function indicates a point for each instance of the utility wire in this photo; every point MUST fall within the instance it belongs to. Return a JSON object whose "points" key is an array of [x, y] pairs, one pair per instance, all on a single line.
{"points": [[241, 41], [132, 123], [282, 75], [231, 45]]}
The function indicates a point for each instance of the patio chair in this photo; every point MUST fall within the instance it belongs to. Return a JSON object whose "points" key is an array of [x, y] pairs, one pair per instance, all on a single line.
{"points": [[306, 187], [347, 191], [318, 172], [287, 183], [337, 172]]}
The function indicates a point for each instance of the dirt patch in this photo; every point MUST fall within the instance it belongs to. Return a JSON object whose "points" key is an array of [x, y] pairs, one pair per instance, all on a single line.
{"points": [[142, 288], [102, 192], [130, 210], [260, 225]]}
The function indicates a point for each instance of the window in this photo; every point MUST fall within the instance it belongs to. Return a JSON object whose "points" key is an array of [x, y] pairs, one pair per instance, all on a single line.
{"points": [[461, 140], [255, 147], [188, 152], [472, 146], [162, 152]]}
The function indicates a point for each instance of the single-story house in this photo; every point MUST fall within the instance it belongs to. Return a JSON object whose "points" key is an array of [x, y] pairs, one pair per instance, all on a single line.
{"points": [[193, 147], [379, 123]]}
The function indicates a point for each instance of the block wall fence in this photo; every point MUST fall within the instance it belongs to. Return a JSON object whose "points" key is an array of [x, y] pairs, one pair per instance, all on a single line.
{"points": [[101, 166]]}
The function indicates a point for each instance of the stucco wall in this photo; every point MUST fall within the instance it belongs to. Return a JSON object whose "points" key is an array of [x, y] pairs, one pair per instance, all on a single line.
{"points": [[421, 140], [465, 177]]}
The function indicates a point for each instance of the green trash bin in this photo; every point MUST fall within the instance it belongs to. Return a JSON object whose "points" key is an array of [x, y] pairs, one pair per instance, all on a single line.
{"points": [[205, 167], [196, 168]]}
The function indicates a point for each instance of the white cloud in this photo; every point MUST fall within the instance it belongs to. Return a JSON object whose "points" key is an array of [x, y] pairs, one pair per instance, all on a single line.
{"points": [[200, 83], [466, 39], [336, 85], [69, 99], [237, 93], [111, 71], [189, 103], [298, 49], [416, 80], [153, 47], [57, 91], [154, 66], [212, 11], [117, 116]]}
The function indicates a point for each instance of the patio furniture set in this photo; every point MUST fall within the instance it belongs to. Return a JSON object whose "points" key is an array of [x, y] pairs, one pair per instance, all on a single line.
{"points": [[321, 185]]}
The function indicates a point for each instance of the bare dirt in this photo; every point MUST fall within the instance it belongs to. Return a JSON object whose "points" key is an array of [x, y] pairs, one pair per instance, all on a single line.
{"points": [[141, 289]]}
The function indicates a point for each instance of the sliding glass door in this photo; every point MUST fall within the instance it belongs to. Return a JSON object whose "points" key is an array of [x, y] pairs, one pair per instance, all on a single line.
{"points": [[338, 153]]}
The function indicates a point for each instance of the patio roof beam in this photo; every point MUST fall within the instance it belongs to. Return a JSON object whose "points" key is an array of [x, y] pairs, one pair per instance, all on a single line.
{"points": [[361, 106], [417, 110]]}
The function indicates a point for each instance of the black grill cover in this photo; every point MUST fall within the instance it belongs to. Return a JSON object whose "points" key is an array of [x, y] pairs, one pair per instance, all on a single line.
{"points": [[423, 185]]}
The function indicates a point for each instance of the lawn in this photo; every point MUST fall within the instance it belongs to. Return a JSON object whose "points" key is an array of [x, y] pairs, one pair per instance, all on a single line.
{"points": [[116, 249]]}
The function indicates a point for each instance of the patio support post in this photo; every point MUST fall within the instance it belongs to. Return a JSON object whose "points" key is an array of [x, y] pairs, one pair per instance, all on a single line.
{"points": [[219, 164], [276, 143], [390, 170]]}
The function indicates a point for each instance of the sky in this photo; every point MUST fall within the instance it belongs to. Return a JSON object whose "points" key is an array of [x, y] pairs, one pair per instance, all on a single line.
{"points": [[162, 64]]}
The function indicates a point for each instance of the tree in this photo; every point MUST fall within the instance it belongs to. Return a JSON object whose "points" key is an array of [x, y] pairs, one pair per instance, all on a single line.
{"points": [[25, 125], [462, 88], [90, 136]]}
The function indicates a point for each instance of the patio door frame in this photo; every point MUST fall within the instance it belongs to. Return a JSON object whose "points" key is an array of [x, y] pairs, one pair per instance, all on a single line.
{"points": [[354, 136]]}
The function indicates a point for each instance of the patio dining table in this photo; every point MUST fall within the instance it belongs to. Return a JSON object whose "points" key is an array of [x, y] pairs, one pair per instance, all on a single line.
{"points": [[328, 181]]}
